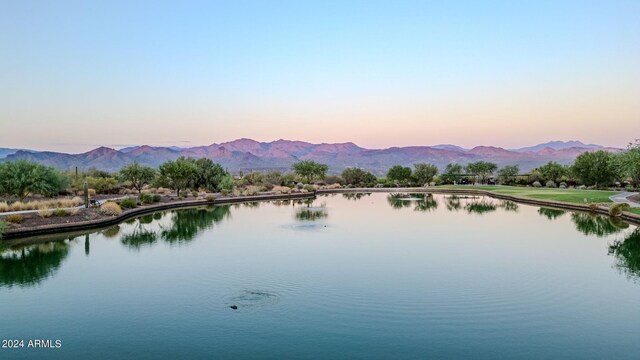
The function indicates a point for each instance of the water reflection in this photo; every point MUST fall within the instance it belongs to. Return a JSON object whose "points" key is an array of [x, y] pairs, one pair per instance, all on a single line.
{"points": [[480, 207], [453, 203], [186, 224], [551, 214], [592, 224], [311, 214], [29, 265], [420, 202], [509, 206], [355, 196], [627, 253]]}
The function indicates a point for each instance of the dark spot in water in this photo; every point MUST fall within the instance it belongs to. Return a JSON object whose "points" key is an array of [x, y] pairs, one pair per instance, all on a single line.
{"points": [[234, 307]]}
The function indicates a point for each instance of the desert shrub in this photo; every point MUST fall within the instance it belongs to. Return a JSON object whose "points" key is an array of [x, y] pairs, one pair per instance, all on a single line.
{"points": [[146, 198], [60, 212], [111, 208], [14, 218], [73, 211], [17, 206], [251, 190], [210, 198], [551, 184], [128, 203], [618, 209], [45, 213], [563, 185], [593, 207], [536, 184], [628, 188], [156, 198], [194, 193], [309, 188], [4, 207], [281, 190]]}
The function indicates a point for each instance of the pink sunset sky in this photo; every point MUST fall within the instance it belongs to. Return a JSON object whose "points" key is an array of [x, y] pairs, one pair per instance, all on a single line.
{"points": [[377, 74]]}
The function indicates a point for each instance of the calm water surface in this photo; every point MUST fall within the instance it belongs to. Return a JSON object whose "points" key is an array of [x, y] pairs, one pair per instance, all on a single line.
{"points": [[342, 276]]}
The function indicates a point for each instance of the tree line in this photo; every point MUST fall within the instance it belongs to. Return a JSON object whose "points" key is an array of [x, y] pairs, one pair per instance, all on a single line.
{"points": [[600, 168]]}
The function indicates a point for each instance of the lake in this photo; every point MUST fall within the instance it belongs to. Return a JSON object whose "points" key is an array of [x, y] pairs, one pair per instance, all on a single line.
{"points": [[342, 276]]}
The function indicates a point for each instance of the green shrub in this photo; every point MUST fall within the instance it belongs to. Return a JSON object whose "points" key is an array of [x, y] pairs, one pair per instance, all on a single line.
{"points": [[629, 188], [129, 203], [618, 209], [60, 212], [156, 198], [210, 198], [146, 198]]}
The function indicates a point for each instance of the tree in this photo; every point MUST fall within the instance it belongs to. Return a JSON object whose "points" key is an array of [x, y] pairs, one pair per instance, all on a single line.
{"points": [[22, 177], [630, 162], [137, 175], [309, 170], [483, 169], [424, 173], [178, 174], [594, 168], [209, 174], [552, 171], [508, 173], [451, 173], [399, 174], [357, 176]]}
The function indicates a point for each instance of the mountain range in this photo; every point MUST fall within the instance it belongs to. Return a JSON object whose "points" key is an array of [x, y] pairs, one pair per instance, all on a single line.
{"points": [[247, 155]]}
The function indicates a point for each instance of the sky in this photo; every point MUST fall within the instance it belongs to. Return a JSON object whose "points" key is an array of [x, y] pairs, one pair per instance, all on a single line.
{"points": [[78, 74]]}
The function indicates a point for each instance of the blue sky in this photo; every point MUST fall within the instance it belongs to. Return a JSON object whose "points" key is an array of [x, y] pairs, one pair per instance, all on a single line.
{"points": [[505, 73]]}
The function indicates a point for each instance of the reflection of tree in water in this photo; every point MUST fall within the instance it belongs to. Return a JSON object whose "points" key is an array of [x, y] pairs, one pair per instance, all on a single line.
{"points": [[187, 223], [453, 203], [420, 202], [111, 232], [480, 207], [29, 265], [591, 224], [281, 202], [427, 203], [139, 238], [311, 214], [627, 253], [355, 196], [551, 214], [509, 206]]}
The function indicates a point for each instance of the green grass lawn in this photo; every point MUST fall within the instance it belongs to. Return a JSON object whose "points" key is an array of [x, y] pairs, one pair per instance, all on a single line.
{"points": [[634, 210], [565, 195]]}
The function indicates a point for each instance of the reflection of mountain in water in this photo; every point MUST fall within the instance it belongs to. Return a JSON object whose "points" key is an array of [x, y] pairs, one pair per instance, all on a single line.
{"points": [[591, 224], [29, 265], [627, 253], [551, 214]]}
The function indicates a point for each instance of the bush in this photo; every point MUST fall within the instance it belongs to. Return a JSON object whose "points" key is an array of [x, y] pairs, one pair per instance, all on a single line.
{"points": [[281, 190], [551, 184], [309, 188], [628, 188], [14, 218], [146, 198], [60, 212], [536, 184], [563, 185], [111, 208], [194, 193], [618, 209], [4, 207], [17, 206], [156, 198], [210, 198], [45, 213], [129, 203], [73, 211]]}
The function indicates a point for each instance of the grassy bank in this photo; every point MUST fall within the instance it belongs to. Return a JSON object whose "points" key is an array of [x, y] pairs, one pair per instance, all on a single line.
{"points": [[566, 195]]}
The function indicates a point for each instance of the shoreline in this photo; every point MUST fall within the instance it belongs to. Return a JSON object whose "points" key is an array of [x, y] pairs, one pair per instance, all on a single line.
{"points": [[101, 223]]}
